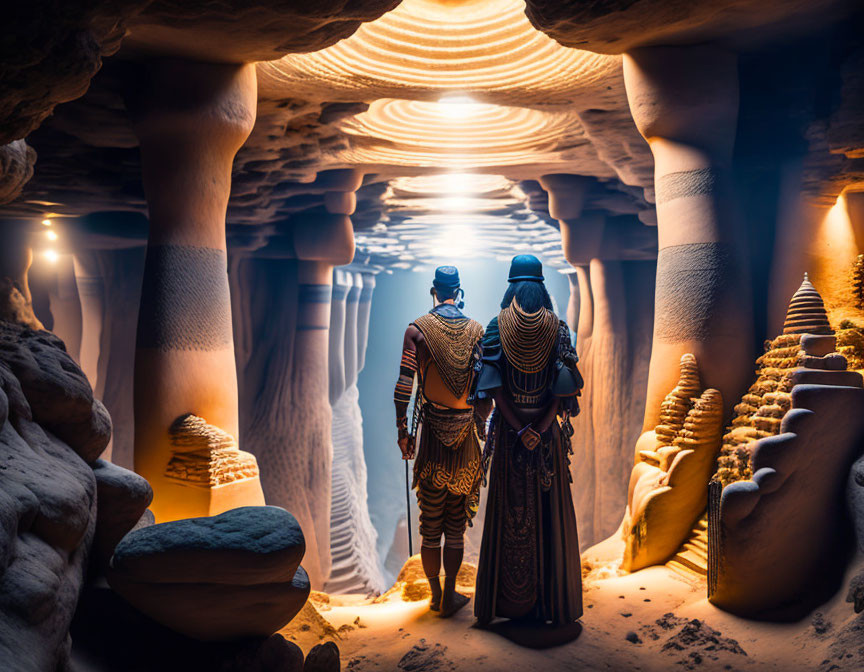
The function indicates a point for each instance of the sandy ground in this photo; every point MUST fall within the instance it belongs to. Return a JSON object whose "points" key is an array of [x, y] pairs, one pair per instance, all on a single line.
{"points": [[654, 620]]}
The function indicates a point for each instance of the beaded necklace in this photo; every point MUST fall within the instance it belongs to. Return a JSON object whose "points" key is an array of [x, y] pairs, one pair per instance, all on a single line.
{"points": [[451, 343], [527, 338]]}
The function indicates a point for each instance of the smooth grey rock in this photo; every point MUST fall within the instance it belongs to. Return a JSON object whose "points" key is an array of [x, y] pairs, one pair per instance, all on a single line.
{"points": [[243, 546], [47, 498], [226, 577], [217, 611], [122, 498]]}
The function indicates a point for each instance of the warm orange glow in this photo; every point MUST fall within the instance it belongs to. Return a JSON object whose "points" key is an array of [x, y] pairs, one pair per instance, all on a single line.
{"points": [[51, 256], [467, 85], [51, 235], [485, 48], [46, 222], [433, 134]]}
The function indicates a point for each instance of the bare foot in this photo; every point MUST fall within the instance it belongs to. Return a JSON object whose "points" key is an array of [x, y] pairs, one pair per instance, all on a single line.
{"points": [[453, 604]]}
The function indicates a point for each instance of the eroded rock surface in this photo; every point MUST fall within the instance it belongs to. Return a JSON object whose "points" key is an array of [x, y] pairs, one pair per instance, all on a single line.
{"points": [[616, 26], [49, 429], [783, 533], [16, 168]]}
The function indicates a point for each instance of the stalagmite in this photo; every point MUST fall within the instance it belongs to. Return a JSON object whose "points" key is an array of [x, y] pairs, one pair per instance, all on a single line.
{"points": [[684, 101], [190, 119]]}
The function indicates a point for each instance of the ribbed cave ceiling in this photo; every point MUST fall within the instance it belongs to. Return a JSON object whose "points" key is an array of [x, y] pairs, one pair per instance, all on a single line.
{"points": [[466, 87]]}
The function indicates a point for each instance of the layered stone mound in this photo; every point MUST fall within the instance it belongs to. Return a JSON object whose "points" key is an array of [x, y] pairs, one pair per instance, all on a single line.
{"points": [[205, 455], [206, 474], [50, 428], [778, 533], [233, 575], [850, 343], [669, 484], [806, 341], [806, 314], [856, 282]]}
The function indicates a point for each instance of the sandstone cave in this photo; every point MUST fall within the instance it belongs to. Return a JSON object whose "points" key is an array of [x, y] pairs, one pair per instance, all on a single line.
{"points": [[219, 227]]}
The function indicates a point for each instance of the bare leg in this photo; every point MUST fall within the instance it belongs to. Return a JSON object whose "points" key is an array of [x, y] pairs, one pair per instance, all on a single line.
{"points": [[431, 558], [452, 601]]}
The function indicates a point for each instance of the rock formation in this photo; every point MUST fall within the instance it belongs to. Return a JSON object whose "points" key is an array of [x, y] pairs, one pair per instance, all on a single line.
{"points": [[856, 277], [703, 296], [356, 566], [761, 410], [229, 576], [669, 484], [184, 360], [52, 430], [785, 465]]}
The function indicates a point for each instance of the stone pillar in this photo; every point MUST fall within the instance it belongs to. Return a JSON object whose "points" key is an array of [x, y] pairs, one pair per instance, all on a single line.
{"points": [[364, 308], [352, 537], [352, 305], [684, 101], [123, 270], [91, 292], [190, 119], [284, 296], [342, 284], [66, 307]]}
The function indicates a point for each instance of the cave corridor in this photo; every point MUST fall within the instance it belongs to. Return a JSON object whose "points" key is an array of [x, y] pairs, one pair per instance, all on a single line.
{"points": [[217, 220]]}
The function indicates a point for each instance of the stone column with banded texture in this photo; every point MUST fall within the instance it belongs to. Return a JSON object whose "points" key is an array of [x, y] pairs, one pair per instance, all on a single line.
{"points": [[190, 119], [283, 296], [684, 101]]}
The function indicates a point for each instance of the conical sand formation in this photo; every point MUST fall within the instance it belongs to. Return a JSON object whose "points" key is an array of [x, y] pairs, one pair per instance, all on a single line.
{"points": [[806, 314]]}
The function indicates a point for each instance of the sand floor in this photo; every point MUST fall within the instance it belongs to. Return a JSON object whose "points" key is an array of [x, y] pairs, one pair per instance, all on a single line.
{"points": [[654, 620]]}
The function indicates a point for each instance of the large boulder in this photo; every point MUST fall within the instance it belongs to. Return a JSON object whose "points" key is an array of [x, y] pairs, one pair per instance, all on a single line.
{"points": [[220, 578], [47, 497], [108, 634]]}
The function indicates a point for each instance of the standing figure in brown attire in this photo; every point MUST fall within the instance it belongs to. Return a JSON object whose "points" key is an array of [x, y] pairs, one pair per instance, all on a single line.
{"points": [[440, 348], [529, 560]]}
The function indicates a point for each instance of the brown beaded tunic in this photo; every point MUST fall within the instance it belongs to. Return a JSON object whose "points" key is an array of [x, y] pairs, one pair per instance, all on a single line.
{"points": [[449, 449]]}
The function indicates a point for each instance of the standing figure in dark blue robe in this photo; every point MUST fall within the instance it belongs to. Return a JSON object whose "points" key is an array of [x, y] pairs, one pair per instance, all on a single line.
{"points": [[529, 565]]}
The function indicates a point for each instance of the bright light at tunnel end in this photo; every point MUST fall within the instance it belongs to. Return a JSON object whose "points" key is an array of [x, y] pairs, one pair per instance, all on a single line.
{"points": [[459, 106]]}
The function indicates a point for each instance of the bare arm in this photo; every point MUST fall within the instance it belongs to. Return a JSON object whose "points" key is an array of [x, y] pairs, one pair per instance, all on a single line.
{"points": [[404, 386]]}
